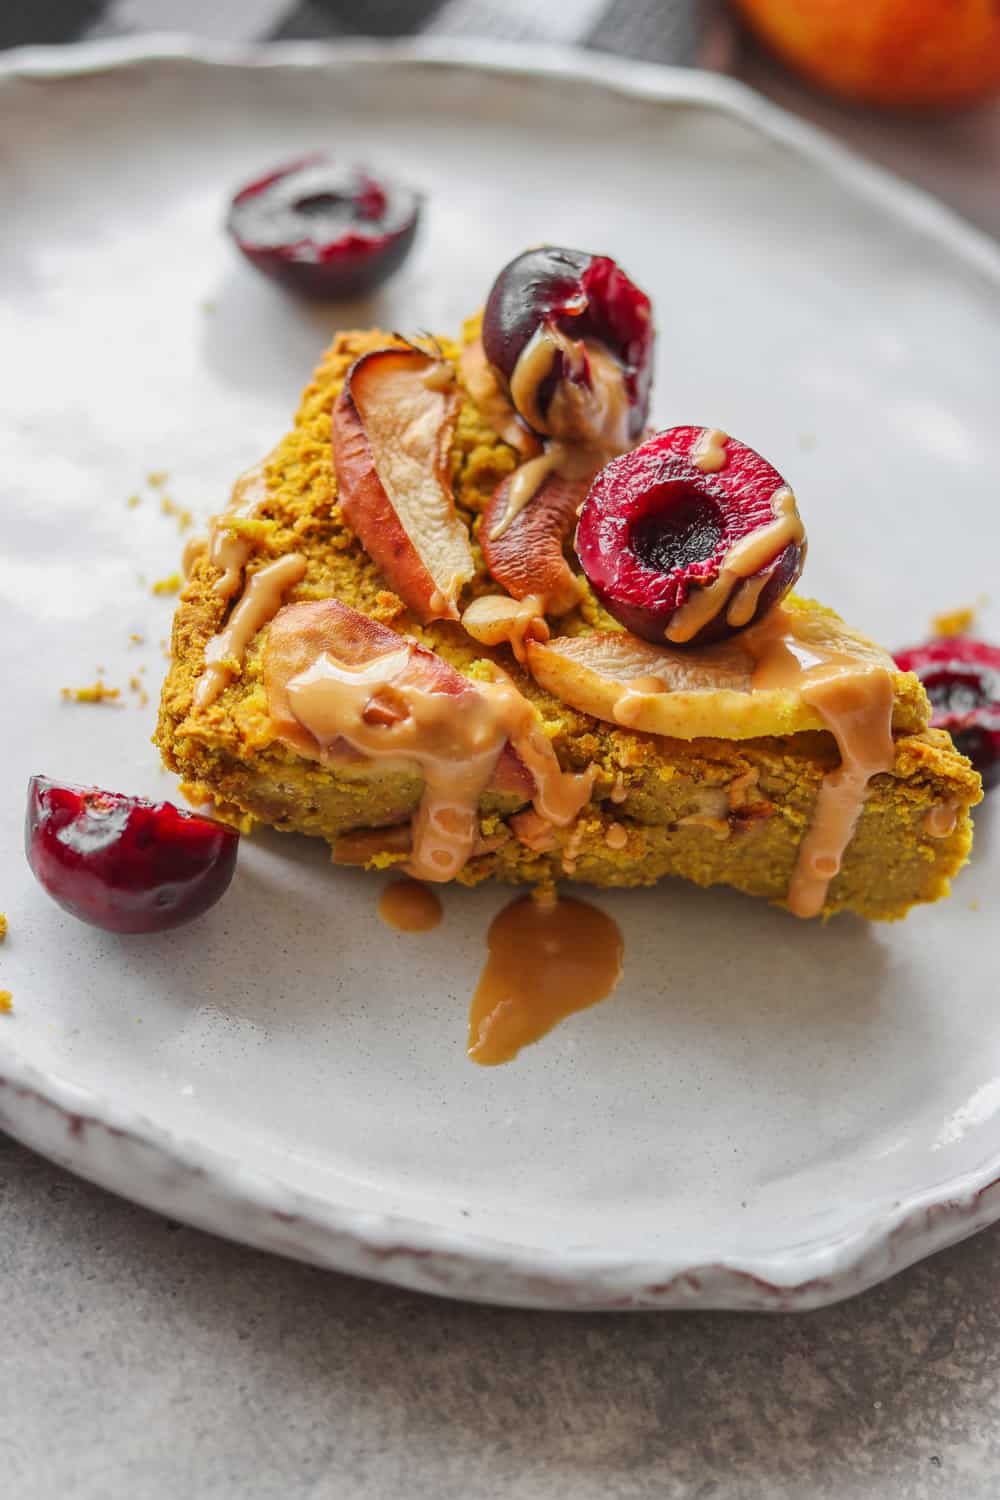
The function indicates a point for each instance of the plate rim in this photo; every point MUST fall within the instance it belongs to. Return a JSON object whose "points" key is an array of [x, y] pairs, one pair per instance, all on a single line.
{"points": [[124, 1151]]}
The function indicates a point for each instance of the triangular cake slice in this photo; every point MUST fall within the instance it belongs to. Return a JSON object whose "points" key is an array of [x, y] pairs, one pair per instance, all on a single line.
{"points": [[322, 679]]}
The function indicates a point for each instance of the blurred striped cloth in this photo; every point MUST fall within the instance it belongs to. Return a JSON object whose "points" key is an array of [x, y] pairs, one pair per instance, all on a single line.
{"points": [[667, 31]]}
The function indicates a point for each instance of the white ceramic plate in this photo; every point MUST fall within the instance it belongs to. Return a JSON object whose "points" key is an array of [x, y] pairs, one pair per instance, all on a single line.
{"points": [[766, 1113]]}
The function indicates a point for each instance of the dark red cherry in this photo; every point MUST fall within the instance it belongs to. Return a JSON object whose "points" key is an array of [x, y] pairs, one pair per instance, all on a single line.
{"points": [[690, 537], [962, 679], [323, 229], [585, 296], [123, 863]]}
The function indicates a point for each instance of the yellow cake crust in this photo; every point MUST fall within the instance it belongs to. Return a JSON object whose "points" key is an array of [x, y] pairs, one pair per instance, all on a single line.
{"points": [[729, 811]]}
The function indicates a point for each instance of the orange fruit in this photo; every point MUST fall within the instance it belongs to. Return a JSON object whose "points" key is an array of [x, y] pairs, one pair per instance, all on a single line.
{"points": [[911, 53]]}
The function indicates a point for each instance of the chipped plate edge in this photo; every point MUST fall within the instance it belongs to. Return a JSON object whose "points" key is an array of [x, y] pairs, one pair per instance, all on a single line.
{"points": [[121, 1150]]}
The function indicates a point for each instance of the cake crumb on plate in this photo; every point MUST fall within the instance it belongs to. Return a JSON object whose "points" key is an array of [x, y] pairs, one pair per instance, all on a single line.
{"points": [[954, 621], [97, 692]]}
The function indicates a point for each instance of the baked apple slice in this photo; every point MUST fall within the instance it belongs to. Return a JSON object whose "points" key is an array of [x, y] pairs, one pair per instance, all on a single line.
{"points": [[712, 691], [337, 681], [392, 428], [378, 666], [524, 552]]}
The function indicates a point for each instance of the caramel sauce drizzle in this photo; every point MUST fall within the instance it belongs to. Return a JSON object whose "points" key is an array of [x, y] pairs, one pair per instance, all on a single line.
{"points": [[528, 478], [855, 701], [742, 561], [497, 618], [586, 422], [710, 454], [409, 906], [742, 606], [546, 961], [492, 402], [454, 743], [260, 603], [226, 550]]}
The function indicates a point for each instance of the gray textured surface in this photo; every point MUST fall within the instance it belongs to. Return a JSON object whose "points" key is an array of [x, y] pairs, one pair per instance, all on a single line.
{"points": [[145, 1360]]}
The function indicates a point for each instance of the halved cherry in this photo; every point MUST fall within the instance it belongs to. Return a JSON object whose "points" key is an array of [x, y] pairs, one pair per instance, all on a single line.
{"points": [[324, 229], [690, 537], [583, 296], [962, 678], [124, 863]]}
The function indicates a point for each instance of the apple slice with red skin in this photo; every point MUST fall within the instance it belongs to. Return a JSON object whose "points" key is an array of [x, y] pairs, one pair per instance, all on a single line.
{"points": [[301, 633], [527, 558], [392, 428]]}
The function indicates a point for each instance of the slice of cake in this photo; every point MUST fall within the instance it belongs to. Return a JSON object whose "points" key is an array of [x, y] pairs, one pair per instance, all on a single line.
{"points": [[387, 639]]}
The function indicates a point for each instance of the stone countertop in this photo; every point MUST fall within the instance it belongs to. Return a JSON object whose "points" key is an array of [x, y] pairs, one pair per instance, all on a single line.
{"points": [[144, 1361]]}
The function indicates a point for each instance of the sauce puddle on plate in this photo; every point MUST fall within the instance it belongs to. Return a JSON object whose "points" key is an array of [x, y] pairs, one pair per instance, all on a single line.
{"points": [[546, 961], [409, 906]]}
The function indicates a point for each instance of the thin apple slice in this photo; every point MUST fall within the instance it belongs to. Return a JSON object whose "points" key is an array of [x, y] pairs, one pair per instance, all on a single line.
{"points": [[627, 681], [301, 634], [525, 554], [392, 428], [708, 691], [360, 846], [333, 676]]}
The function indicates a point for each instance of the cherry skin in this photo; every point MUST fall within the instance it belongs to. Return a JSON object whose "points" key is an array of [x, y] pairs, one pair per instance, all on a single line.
{"points": [[123, 863], [658, 528], [585, 296], [325, 230], [962, 679]]}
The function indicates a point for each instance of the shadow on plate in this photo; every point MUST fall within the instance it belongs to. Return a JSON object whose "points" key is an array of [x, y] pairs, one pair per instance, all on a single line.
{"points": [[257, 333]]}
